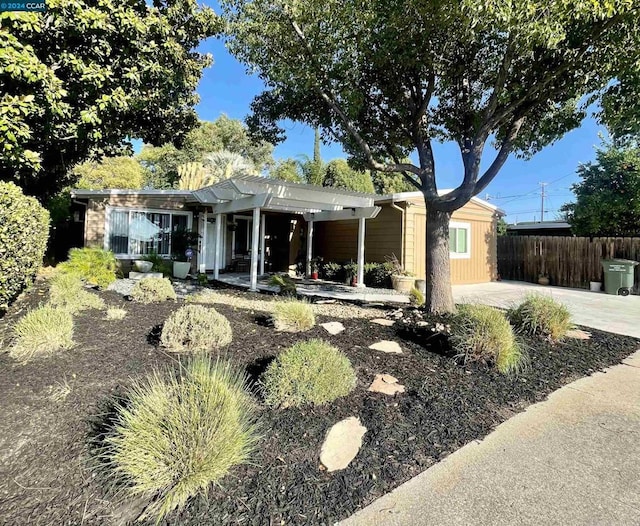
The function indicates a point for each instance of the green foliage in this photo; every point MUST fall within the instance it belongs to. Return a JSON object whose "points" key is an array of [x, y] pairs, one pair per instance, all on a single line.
{"points": [[333, 271], [178, 434], [181, 240], [286, 284], [42, 331], [541, 315], [192, 176], [416, 297], [110, 172], [293, 316], [390, 183], [311, 372], [196, 328], [83, 78], [339, 174], [67, 292], [159, 263], [483, 334], [223, 134], [152, 290], [115, 313], [287, 170], [96, 266], [203, 280], [24, 231], [390, 79], [378, 275], [608, 196], [501, 226], [225, 164]]}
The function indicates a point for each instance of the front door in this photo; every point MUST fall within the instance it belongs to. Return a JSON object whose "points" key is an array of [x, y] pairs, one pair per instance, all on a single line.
{"points": [[210, 243]]}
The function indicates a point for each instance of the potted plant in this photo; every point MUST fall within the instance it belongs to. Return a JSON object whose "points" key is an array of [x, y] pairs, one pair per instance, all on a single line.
{"points": [[401, 280], [315, 267], [182, 243], [543, 279], [232, 226]]}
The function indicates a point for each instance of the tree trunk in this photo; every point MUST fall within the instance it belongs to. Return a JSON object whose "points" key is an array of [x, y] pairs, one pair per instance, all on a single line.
{"points": [[439, 297]]}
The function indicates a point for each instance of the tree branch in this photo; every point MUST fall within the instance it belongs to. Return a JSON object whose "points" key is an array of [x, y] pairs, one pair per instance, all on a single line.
{"points": [[329, 97]]}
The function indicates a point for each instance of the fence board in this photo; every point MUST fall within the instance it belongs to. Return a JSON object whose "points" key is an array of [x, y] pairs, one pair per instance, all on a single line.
{"points": [[568, 261]]}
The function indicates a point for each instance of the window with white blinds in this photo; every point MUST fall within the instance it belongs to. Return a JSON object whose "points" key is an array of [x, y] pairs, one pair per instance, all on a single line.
{"points": [[459, 240], [135, 232]]}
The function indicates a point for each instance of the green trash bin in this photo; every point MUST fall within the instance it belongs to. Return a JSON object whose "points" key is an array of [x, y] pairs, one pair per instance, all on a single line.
{"points": [[618, 276]]}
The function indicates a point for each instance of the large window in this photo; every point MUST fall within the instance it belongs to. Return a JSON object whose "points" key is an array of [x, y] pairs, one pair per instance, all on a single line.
{"points": [[459, 240], [131, 232]]}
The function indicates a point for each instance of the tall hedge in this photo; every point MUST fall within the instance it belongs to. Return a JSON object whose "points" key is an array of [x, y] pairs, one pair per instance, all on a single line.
{"points": [[24, 231]]}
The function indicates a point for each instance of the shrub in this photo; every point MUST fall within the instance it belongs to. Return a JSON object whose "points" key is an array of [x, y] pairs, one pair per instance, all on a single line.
{"points": [[115, 313], [293, 316], [483, 334], [159, 264], [416, 297], [67, 292], [44, 330], [180, 433], [378, 275], [311, 372], [94, 265], [540, 314], [151, 290], [24, 230], [333, 272], [196, 328], [286, 283], [205, 296]]}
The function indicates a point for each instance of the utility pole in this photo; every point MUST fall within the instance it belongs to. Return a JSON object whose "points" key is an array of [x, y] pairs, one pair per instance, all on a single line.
{"points": [[542, 196]]}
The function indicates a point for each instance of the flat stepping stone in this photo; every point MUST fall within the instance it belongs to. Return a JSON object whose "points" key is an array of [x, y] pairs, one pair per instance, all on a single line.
{"points": [[578, 334], [386, 384], [342, 443], [387, 346], [383, 321], [333, 327]]}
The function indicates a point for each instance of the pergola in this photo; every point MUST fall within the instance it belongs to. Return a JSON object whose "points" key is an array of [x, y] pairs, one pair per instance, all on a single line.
{"points": [[259, 194]]}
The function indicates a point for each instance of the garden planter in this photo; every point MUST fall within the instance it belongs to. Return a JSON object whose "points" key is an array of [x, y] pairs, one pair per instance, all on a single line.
{"points": [[421, 285], [143, 266], [181, 269], [314, 275], [595, 286], [543, 280], [403, 283]]}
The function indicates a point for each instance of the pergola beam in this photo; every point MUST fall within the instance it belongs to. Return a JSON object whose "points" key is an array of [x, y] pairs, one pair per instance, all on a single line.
{"points": [[242, 205]]}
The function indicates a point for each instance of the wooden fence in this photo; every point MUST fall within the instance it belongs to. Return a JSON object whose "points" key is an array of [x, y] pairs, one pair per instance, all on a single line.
{"points": [[568, 261]]}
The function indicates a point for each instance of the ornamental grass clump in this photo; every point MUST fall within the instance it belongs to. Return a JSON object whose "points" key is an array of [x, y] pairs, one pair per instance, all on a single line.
{"points": [[67, 292], [178, 433], [293, 316], [541, 315], [416, 297], [42, 331], [94, 265], [115, 313], [483, 334], [196, 328], [311, 372], [152, 290]]}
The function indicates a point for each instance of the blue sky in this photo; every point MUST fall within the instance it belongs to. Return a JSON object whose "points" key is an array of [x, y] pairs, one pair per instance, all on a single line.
{"points": [[226, 88]]}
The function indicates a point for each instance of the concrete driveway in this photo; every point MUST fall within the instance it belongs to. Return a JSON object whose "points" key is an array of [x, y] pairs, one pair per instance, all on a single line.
{"points": [[592, 309]]}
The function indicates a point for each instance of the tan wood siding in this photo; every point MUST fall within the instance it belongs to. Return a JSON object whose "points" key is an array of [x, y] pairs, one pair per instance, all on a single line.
{"points": [[338, 240], [480, 267]]}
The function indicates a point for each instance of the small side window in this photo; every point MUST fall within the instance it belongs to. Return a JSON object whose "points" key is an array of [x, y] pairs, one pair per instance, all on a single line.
{"points": [[459, 240]]}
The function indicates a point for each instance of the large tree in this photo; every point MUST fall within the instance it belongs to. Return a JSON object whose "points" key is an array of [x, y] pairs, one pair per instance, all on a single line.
{"points": [[608, 196], [83, 77], [386, 79], [223, 134]]}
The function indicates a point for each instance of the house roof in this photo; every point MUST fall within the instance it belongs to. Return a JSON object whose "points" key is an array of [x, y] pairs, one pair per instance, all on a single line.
{"points": [[406, 196], [80, 193], [539, 225]]}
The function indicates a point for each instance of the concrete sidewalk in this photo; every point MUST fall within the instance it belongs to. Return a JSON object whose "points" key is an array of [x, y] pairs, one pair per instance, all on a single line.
{"points": [[573, 459], [593, 309]]}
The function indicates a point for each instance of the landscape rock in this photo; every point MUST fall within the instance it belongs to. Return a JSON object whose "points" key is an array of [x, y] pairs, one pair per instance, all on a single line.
{"points": [[578, 334], [386, 384], [383, 321], [342, 443], [387, 346], [333, 327]]}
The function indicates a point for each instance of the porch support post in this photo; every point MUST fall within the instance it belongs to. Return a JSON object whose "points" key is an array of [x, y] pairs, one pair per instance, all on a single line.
{"points": [[262, 243], [217, 252], [203, 246], [361, 233], [309, 247], [255, 244]]}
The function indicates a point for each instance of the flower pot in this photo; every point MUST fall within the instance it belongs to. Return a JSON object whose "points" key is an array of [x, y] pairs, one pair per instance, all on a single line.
{"points": [[403, 283], [595, 286], [314, 275], [543, 280], [181, 269], [142, 265]]}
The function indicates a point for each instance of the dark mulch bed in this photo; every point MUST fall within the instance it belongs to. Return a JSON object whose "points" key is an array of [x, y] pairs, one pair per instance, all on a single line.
{"points": [[44, 471]]}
